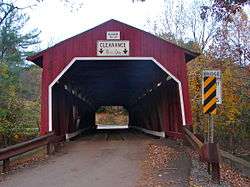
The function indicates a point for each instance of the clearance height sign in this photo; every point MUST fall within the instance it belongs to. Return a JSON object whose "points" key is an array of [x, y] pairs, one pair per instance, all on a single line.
{"points": [[112, 48]]}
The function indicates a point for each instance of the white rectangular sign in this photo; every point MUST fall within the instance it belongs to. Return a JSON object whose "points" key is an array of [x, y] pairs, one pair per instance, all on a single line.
{"points": [[112, 48], [113, 35], [217, 74]]}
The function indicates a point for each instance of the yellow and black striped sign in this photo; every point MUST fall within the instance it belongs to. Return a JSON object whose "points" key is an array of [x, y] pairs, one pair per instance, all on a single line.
{"points": [[209, 95]]}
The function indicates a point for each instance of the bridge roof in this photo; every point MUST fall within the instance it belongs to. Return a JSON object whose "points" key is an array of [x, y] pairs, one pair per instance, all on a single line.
{"points": [[38, 57]]}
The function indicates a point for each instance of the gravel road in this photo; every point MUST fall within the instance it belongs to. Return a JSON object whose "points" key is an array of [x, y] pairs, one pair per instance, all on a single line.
{"points": [[106, 158]]}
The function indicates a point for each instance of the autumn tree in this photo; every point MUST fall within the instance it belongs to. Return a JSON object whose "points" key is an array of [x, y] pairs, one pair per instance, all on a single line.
{"points": [[232, 39], [222, 38], [13, 49], [229, 52]]}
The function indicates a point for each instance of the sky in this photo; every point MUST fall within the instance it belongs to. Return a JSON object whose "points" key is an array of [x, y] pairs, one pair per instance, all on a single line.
{"points": [[58, 21]]}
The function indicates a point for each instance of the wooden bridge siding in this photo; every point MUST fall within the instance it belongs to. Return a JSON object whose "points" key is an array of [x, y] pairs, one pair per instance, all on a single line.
{"points": [[62, 108], [142, 44], [159, 111]]}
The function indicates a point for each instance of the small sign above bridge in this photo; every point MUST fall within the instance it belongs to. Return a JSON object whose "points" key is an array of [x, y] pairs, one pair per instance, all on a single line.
{"points": [[112, 48], [113, 35]]}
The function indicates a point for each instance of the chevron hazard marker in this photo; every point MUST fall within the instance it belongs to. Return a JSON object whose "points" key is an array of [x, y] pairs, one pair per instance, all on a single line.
{"points": [[209, 95]]}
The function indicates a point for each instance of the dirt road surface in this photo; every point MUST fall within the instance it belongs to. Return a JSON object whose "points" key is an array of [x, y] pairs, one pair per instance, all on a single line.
{"points": [[106, 158]]}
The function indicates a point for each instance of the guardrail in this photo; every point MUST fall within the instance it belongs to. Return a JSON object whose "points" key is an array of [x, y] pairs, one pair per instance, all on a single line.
{"points": [[215, 154], [233, 158], [48, 140], [236, 162], [195, 142], [208, 153]]}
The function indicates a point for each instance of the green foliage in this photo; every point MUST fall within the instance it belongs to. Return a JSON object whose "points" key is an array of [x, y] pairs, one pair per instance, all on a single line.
{"points": [[30, 78], [112, 110], [112, 115], [101, 109], [13, 43], [19, 106]]}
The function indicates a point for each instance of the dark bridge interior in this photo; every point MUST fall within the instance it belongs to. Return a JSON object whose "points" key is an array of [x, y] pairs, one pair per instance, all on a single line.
{"points": [[141, 86], [114, 82]]}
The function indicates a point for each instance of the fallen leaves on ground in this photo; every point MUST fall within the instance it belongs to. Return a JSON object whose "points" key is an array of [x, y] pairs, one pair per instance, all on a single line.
{"points": [[200, 177], [157, 158], [234, 177], [25, 162]]}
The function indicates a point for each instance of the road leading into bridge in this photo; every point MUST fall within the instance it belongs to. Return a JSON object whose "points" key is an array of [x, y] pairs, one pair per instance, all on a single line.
{"points": [[105, 158]]}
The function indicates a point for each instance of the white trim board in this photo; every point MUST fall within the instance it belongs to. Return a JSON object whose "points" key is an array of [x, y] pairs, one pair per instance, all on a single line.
{"points": [[100, 126], [74, 134], [112, 58], [155, 133]]}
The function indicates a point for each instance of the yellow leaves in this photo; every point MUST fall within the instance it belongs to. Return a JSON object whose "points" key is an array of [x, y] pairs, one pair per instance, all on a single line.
{"points": [[4, 71], [231, 87], [234, 87]]}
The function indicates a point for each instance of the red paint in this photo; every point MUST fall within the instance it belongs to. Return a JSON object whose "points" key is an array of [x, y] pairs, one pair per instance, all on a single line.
{"points": [[142, 44]]}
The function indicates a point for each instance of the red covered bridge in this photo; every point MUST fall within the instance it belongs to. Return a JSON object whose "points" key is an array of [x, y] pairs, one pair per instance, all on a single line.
{"points": [[145, 74]]}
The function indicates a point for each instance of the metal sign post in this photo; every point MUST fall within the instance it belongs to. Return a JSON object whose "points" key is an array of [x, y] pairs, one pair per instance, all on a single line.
{"points": [[212, 129], [210, 133], [208, 129], [211, 97]]}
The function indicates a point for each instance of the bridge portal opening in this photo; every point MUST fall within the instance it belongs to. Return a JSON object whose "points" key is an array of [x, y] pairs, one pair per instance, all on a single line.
{"points": [[111, 117], [150, 95]]}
